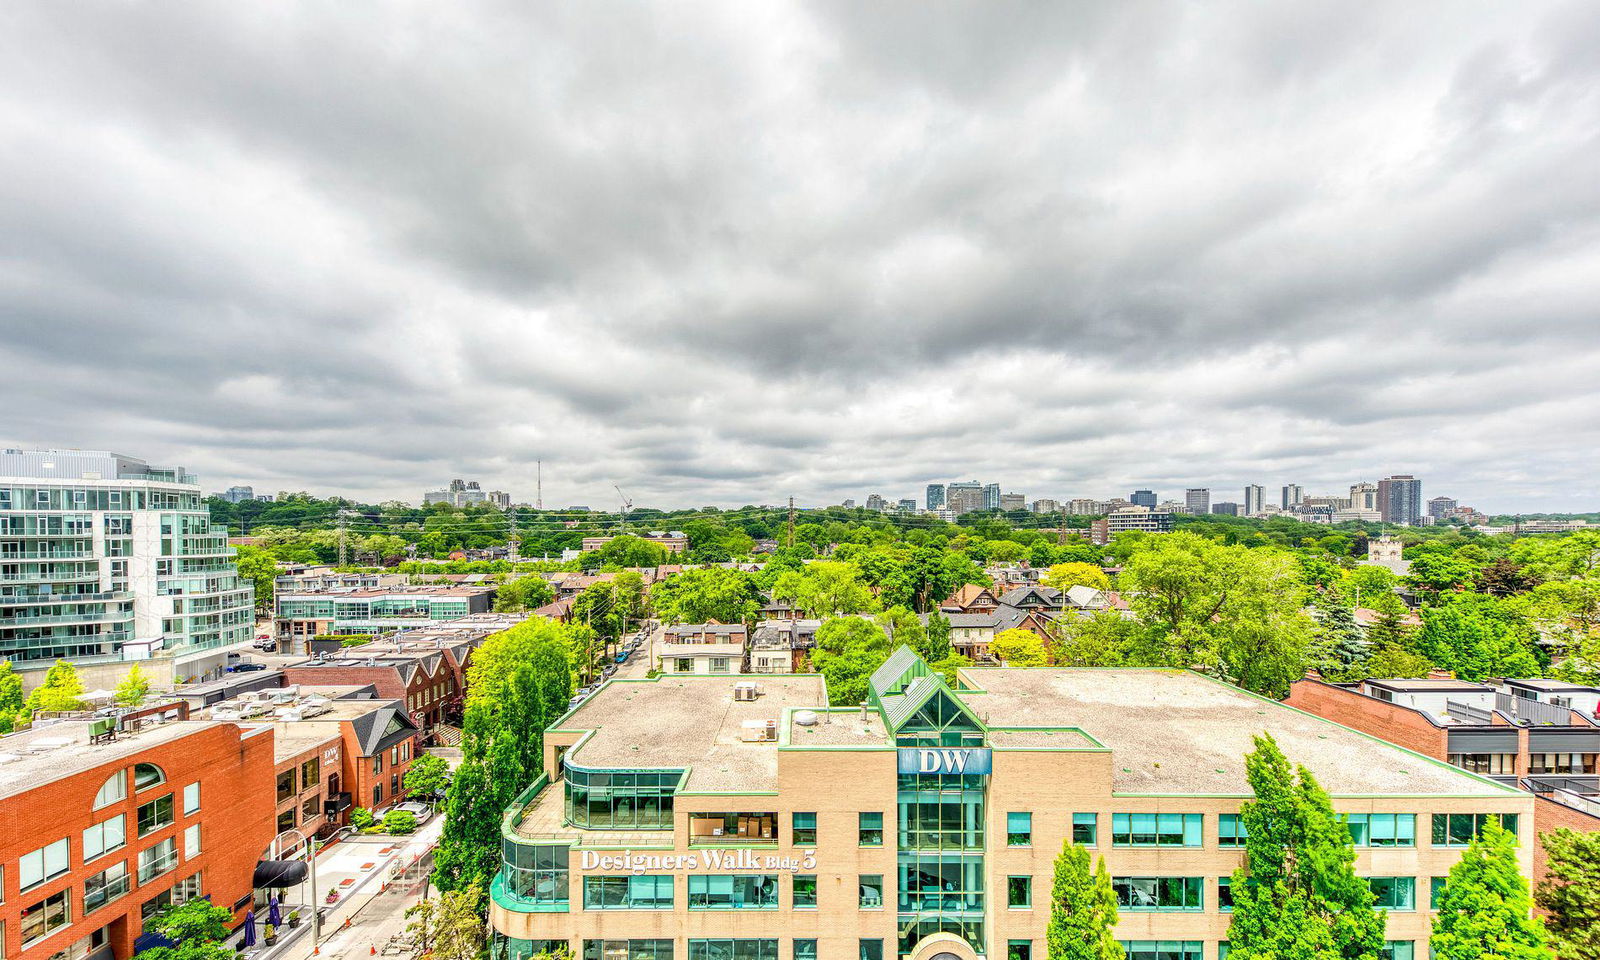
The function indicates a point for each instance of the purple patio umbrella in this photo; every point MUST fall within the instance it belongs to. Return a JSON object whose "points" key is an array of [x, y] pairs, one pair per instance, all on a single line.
{"points": [[249, 928], [274, 916]]}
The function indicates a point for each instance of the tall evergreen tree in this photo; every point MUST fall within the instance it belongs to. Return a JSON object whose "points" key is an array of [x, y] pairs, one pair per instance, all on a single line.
{"points": [[1298, 894], [1083, 909], [1485, 912], [1571, 893]]}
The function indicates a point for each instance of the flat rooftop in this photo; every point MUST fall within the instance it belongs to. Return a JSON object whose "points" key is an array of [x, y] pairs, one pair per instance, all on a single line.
{"points": [[1552, 685], [55, 751], [1176, 732], [1434, 685], [690, 722]]}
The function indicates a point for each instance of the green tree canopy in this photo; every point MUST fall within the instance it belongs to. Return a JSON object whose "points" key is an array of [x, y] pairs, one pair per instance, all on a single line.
{"points": [[1485, 910], [1571, 893], [711, 594], [61, 689], [1083, 910], [1018, 648]]}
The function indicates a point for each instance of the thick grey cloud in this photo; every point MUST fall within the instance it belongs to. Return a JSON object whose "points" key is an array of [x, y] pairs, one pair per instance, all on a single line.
{"points": [[730, 252]]}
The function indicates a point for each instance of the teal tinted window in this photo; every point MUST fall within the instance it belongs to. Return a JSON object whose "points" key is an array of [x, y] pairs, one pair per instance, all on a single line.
{"points": [[1158, 893], [1394, 893], [871, 950], [1019, 829], [1436, 891], [1162, 949], [870, 829], [805, 891], [1019, 950], [869, 889], [621, 798], [805, 950], [1383, 829], [731, 950], [1230, 830], [1156, 829], [931, 883], [1398, 950], [627, 949], [536, 875], [1458, 829], [1225, 894], [1019, 891], [739, 892], [627, 893], [1084, 828], [804, 827]]}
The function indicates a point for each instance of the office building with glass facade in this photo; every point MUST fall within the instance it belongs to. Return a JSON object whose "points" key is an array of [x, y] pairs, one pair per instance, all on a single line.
{"points": [[738, 818], [104, 559]]}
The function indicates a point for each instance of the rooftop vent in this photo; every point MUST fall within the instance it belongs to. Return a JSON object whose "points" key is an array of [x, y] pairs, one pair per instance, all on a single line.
{"points": [[806, 718]]}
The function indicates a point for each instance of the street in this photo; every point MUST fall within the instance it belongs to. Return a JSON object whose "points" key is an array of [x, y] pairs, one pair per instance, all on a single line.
{"points": [[377, 878]]}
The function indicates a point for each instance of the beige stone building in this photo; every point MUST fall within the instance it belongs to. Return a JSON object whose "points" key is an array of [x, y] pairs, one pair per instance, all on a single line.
{"points": [[706, 818]]}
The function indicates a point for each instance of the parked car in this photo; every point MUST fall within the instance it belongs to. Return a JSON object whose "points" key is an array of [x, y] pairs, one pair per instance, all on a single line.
{"points": [[421, 811], [266, 644], [622, 657], [246, 667]]}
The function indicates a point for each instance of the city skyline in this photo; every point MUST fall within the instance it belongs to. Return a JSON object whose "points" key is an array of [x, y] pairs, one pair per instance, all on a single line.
{"points": [[787, 254]]}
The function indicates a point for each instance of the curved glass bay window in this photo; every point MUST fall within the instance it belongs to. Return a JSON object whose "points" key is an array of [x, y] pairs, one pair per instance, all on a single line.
{"points": [[536, 875], [638, 799], [502, 947]]}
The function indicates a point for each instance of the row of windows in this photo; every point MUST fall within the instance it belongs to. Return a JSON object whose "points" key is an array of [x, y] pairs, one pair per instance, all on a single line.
{"points": [[760, 892], [1127, 829], [38, 867], [732, 948], [54, 913]]}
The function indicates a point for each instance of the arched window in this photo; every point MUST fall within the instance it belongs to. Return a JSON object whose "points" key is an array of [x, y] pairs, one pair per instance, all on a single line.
{"points": [[147, 775], [112, 790]]}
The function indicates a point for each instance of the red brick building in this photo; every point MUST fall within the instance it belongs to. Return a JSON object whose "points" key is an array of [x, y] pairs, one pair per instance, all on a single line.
{"points": [[97, 837], [1540, 735]]}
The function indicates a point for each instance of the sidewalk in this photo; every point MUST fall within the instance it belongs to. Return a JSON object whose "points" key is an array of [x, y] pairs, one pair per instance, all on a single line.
{"points": [[377, 878]]}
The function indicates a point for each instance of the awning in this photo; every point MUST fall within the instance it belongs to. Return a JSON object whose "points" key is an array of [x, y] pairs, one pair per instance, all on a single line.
{"points": [[279, 873]]}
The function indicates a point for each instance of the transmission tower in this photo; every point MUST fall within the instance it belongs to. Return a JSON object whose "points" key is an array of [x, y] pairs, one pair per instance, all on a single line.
{"points": [[789, 527]]}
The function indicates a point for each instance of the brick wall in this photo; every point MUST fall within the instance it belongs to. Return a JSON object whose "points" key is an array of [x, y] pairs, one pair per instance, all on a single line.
{"points": [[235, 772], [1397, 724]]}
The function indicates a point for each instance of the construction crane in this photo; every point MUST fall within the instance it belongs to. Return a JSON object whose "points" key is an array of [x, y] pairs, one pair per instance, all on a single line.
{"points": [[627, 506]]}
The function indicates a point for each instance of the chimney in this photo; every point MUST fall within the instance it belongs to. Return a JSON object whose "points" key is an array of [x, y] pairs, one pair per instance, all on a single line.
{"points": [[863, 711]]}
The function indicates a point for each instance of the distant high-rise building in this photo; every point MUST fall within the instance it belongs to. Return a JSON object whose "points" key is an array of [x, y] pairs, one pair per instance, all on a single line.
{"points": [[964, 497], [1045, 505], [991, 496], [1197, 500], [1013, 501], [906, 505], [1292, 495], [1400, 499], [1254, 499], [935, 496], [849, 504], [876, 502], [1225, 508], [463, 493], [1085, 507], [239, 494], [1143, 498], [1442, 508], [1363, 496]]}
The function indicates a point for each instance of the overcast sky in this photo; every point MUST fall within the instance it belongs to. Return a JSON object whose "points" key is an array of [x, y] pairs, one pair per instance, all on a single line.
{"points": [[727, 253]]}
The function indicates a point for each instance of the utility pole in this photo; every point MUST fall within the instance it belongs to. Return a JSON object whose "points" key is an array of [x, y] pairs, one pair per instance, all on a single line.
{"points": [[513, 540], [344, 550], [1061, 534], [790, 526], [538, 495], [316, 908]]}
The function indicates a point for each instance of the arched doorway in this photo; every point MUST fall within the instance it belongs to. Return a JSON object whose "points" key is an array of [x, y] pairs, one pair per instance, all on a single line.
{"points": [[943, 946]]}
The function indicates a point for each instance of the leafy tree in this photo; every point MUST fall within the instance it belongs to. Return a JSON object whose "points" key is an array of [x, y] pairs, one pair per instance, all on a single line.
{"points": [[1436, 573], [848, 650], [197, 929], [134, 687], [706, 595], [10, 696], [1485, 910], [468, 853], [1390, 660], [61, 690], [1018, 648], [903, 627], [936, 639], [825, 589], [1064, 576], [449, 926], [1505, 577], [947, 667], [1477, 637], [1103, 639], [428, 776], [1366, 583], [261, 569], [596, 608], [627, 593], [1083, 910], [524, 593], [624, 551], [1570, 893], [399, 823], [1298, 894]]}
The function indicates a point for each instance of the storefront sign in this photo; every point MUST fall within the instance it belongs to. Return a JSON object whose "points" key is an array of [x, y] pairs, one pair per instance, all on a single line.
{"points": [[733, 861], [945, 760]]}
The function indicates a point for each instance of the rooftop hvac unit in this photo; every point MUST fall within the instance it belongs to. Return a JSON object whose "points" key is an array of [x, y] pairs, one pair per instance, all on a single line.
{"points": [[285, 694], [248, 696], [288, 713], [758, 731], [225, 712], [312, 706], [745, 690]]}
